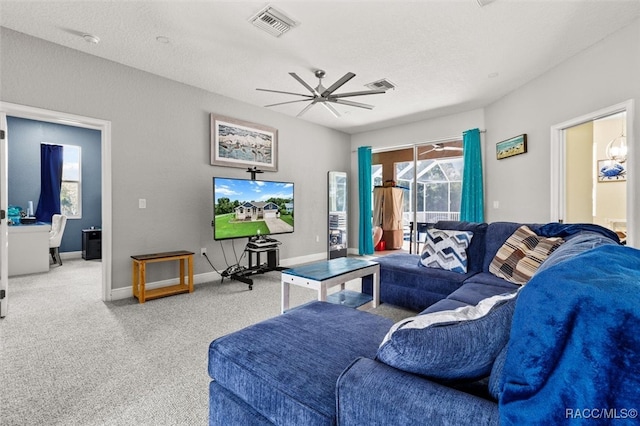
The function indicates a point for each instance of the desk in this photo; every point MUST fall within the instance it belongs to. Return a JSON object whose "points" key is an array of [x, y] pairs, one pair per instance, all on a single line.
{"points": [[140, 278], [28, 248]]}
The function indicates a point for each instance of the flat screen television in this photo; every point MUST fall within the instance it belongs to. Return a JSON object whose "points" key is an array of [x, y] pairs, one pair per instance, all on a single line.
{"points": [[247, 208]]}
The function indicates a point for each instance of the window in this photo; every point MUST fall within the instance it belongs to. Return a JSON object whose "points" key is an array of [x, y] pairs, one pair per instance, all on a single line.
{"points": [[71, 191], [376, 175], [438, 189]]}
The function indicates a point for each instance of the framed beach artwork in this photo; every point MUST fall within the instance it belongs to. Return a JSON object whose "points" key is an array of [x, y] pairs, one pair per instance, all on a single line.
{"points": [[237, 143], [510, 147], [611, 171]]}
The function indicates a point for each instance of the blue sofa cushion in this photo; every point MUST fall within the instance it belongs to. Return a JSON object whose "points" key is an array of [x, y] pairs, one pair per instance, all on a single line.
{"points": [[495, 384], [372, 393], [522, 254], [475, 251], [451, 345], [286, 367], [472, 292], [403, 282], [446, 249]]}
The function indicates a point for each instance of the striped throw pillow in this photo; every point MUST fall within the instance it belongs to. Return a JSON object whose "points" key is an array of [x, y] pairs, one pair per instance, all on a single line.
{"points": [[446, 250], [521, 255]]}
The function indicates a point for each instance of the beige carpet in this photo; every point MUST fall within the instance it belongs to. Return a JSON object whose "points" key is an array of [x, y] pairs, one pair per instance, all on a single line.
{"points": [[67, 358]]}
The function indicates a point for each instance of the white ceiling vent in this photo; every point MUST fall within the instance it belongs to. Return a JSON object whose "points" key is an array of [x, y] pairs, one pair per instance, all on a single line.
{"points": [[272, 21], [383, 84]]}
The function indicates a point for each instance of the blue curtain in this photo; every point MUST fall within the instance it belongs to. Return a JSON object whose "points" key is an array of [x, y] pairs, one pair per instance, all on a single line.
{"points": [[50, 182], [365, 239], [472, 203]]}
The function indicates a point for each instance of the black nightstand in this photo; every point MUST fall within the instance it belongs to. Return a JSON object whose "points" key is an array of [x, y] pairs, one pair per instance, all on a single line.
{"points": [[91, 244]]}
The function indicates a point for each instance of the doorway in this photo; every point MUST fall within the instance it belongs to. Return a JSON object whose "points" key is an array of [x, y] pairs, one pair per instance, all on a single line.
{"points": [[591, 182], [431, 174], [21, 111]]}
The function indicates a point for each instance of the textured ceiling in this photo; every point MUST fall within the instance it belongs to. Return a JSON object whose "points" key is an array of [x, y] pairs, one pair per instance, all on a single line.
{"points": [[443, 56]]}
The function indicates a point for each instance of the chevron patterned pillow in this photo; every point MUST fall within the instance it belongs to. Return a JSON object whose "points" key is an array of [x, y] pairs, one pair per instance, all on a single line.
{"points": [[446, 249]]}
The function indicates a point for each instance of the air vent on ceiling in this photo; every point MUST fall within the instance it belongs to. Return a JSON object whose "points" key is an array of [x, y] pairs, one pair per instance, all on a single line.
{"points": [[381, 84], [272, 21]]}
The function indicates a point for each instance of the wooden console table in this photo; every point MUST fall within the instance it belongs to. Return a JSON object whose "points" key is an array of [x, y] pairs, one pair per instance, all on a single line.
{"points": [[139, 274]]}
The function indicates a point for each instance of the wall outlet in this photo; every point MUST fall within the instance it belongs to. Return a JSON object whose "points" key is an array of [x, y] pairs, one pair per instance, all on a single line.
{"points": [[203, 251], [317, 238]]}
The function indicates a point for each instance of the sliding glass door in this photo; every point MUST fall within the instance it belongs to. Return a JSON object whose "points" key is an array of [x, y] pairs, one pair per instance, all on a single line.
{"points": [[432, 176]]}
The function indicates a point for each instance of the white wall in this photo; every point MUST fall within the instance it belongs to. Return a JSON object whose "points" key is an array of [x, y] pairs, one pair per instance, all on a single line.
{"points": [[602, 75], [160, 151]]}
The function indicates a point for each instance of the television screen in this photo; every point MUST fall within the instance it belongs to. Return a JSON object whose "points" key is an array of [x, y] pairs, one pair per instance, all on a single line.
{"points": [[246, 208]]}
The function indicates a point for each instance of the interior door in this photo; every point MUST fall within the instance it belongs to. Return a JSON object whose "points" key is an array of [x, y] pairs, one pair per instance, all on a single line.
{"points": [[604, 195], [4, 249]]}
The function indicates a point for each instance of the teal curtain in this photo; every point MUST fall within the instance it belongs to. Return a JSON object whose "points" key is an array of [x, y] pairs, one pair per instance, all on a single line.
{"points": [[472, 203], [365, 232]]}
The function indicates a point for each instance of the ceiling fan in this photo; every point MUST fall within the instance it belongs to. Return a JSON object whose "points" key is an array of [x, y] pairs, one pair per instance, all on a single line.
{"points": [[326, 96], [440, 147]]}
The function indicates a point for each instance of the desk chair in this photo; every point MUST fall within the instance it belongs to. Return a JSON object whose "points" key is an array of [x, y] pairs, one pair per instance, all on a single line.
{"points": [[421, 234], [58, 223]]}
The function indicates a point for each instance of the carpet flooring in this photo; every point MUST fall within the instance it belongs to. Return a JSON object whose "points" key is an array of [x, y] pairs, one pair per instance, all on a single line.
{"points": [[67, 358]]}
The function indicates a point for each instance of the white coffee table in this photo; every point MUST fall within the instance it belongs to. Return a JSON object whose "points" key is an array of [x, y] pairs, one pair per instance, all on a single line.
{"points": [[329, 273]]}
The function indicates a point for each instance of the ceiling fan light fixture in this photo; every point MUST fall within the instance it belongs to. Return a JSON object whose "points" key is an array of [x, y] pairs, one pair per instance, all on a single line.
{"points": [[273, 21], [326, 95], [617, 149]]}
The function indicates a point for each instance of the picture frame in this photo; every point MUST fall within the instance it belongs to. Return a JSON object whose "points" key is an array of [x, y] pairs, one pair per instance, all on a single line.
{"points": [[515, 146], [239, 143], [611, 171]]}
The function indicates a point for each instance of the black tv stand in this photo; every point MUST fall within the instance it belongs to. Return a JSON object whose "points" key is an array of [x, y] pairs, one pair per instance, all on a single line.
{"points": [[272, 262]]}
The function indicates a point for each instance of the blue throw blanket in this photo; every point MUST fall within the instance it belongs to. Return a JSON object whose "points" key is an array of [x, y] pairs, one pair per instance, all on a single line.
{"points": [[564, 230], [574, 350]]}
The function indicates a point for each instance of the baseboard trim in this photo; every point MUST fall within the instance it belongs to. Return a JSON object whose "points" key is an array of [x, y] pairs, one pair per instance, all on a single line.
{"points": [[71, 255], [207, 277]]}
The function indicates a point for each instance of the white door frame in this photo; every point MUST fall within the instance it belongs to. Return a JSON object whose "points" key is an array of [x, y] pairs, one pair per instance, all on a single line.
{"points": [[558, 143], [22, 111], [4, 231]]}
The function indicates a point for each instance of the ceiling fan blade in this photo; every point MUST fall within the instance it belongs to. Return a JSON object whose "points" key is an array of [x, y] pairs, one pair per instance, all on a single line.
{"points": [[452, 148], [331, 109], [288, 102], [286, 93], [307, 108], [304, 83], [335, 86], [350, 103], [364, 92]]}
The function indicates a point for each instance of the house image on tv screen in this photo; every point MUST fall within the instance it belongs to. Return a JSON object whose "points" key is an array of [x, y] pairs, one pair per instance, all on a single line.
{"points": [[256, 210]]}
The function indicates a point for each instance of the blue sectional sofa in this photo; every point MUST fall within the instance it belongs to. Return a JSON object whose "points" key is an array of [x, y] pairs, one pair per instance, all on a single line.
{"points": [[405, 283], [506, 354]]}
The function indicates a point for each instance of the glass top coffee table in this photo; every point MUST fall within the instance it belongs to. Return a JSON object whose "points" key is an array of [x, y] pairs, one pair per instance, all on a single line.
{"points": [[329, 273]]}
